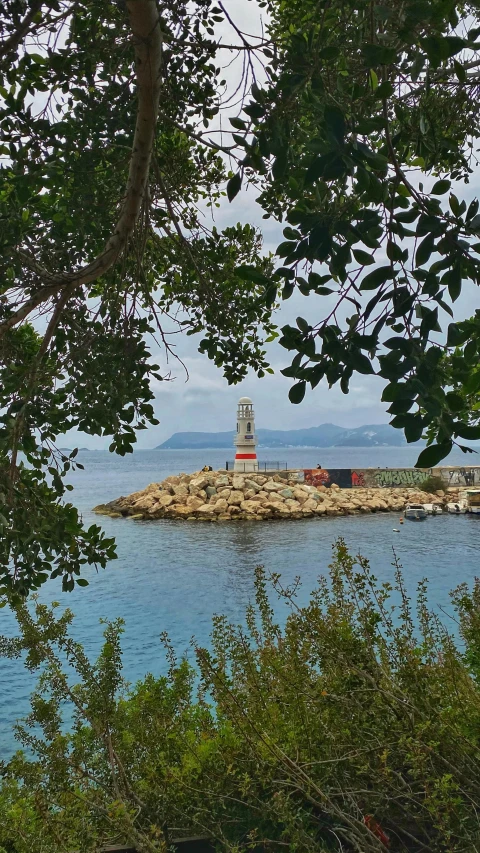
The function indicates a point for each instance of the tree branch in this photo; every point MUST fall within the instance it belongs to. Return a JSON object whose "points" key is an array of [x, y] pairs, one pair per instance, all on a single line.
{"points": [[16, 37]]}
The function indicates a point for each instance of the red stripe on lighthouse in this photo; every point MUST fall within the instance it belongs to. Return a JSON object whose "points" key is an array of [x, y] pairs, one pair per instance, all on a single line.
{"points": [[245, 456]]}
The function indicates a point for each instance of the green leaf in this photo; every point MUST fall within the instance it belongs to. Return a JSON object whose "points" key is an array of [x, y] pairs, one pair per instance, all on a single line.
{"points": [[441, 187], [454, 282], [362, 364], [394, 251], [297, 392], [467, 431], [238, 123], [434, 454], [233, 186], [376, 54], [376, 278], [286, 248], [362, 257], [424, 250], [251, 273], [81, 582]]}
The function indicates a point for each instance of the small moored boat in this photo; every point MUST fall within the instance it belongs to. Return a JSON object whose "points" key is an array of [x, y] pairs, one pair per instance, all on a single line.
{"points": [[459, 507], [473, 501], [433, 509], [415, 512]]}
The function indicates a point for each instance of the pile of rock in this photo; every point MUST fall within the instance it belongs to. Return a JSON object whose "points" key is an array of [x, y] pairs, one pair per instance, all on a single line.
{"points": [[223, 496]]}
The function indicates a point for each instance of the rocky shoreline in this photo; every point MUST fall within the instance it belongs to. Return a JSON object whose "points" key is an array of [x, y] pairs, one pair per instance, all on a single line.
{"points": [[228, 496]]}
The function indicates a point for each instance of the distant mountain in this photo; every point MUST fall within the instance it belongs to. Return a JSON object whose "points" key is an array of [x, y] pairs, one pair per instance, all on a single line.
{"points": [[325, 435]]}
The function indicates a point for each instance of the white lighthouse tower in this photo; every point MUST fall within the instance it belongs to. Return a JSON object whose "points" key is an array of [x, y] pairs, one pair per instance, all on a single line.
{"points": [[245, 440]]}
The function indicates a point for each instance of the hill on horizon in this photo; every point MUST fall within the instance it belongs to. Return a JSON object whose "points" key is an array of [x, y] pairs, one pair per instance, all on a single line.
{"points": [[325, 435]]}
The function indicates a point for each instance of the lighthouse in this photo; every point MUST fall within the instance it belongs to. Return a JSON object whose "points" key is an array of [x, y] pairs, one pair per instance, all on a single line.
{"points": [[245, 440]]}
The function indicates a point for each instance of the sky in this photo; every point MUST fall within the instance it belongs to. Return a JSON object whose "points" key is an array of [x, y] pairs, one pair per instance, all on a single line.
{"points": [[206, 402]]}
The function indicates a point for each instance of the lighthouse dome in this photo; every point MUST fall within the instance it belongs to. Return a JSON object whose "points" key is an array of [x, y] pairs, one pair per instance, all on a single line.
{"points": [[244, 401]]}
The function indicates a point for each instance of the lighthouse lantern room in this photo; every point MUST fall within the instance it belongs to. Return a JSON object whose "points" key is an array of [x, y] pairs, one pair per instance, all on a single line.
{"points": [[245, 440]]}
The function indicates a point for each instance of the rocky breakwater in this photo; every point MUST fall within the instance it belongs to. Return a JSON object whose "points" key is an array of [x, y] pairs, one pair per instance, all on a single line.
{"points": [[222, 496]]}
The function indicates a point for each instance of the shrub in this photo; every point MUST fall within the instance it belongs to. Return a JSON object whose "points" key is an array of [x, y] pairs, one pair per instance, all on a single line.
{"points": [[352, 728], [432, 484]]}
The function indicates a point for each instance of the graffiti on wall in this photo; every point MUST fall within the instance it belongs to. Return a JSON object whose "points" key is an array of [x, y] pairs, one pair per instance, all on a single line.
{"points": [[463, 476], [316, 477], [327, 477], [401, 477], [358, 480]]}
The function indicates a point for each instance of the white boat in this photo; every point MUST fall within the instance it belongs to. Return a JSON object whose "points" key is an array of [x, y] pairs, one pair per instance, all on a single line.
{"points": [[459, 507], [415, 512], [433, 509], [473, 501]]}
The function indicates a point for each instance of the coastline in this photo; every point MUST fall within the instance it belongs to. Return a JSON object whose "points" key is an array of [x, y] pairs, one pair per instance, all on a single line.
{"points": [[229, 496]]}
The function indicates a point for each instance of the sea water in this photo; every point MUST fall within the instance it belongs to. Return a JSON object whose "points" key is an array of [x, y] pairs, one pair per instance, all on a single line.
{"points": [[174, 576]]}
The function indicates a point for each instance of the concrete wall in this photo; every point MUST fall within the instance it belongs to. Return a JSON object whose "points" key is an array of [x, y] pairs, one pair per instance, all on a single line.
{"points": [[351, 478]]}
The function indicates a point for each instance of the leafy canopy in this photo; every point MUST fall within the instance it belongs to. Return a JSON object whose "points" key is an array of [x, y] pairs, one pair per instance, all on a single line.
{"points": [[369, 116], [111, 152], [106, 171]]}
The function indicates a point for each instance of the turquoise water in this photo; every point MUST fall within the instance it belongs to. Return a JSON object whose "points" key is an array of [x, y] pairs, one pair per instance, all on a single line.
{"points": [[173, 576]]}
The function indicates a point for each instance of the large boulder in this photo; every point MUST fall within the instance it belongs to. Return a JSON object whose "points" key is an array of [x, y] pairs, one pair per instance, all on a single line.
{"points": [[222, 481], [238, 483], [286, 493], [165, 500], [194, 502], [282, 510], [224, 492], [220, 506], [235, 497], [210, 490], [181, 511], [200, 481], [272, 486], [153, 487], [293, 505], [145, 503], [172, 480], [275, 505], [251, 485], [206, 509], [181, 491], [249, 506]]}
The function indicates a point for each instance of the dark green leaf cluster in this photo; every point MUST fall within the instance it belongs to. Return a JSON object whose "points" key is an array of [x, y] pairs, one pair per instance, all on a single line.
{"points": [[363, 102], [70, 96]]}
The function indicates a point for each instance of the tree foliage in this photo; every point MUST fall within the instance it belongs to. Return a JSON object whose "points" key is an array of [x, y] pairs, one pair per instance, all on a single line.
{"points": [[367, 124], [113, 145], [355, 727], [106, 171]]}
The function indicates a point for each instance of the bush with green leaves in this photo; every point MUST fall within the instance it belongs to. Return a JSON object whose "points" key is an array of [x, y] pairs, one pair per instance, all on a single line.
{"points": [[432, 484], [355, 723]]}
